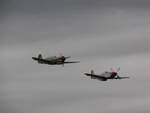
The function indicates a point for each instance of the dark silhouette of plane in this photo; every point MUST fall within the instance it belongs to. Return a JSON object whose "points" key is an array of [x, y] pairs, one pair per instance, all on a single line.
{"points": [[106, 75], [53, 60]]}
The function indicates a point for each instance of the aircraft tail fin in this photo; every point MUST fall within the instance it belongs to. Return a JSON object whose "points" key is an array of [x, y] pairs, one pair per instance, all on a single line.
{"points": [[92, 72], [40, 56]]}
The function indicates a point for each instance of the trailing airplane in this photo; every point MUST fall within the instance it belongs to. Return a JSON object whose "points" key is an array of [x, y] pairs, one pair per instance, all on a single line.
{"points": [[53, 60], [106, 75]]}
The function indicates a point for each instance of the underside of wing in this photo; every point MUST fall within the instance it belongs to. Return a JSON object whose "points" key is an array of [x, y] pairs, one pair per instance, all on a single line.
{"points": [[71, 62], [123, 77], [96, 77], [99, 77]]}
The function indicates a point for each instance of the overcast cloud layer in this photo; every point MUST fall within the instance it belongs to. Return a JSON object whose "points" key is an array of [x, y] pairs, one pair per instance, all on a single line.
{"points": [[100, 33]]}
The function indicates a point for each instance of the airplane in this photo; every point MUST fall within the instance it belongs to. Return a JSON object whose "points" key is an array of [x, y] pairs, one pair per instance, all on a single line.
{"points": [[53, 60], [106, 75]]}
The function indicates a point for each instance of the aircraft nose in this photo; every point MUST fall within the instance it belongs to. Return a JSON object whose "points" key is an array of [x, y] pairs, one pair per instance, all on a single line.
{"points": [[63, 58]]}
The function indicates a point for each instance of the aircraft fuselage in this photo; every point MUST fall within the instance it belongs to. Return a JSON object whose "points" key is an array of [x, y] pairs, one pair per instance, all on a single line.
{"points": [[48, 61]]}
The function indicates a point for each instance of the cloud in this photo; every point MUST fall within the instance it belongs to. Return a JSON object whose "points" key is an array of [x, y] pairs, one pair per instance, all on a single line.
{"points": [[101, 34]]}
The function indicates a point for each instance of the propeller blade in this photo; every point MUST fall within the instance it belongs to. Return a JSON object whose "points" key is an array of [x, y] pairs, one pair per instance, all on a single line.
{"points": [[68, 57], [60, 54], [118, 69], [115, 70], [112, 69]]}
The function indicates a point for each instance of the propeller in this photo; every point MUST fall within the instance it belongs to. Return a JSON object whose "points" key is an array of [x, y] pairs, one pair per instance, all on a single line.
{"points": [[63, 57], [68, 57], [118, 69], [113, 70], [116, 72]]}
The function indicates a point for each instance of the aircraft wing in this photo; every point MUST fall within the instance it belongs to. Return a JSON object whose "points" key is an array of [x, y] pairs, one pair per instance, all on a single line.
{"points": [[71, 62], [122, 77], [97, 77]]}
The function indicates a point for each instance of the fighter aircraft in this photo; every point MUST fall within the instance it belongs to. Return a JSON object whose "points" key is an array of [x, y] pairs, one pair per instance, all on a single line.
{"points": [[106, 75], [53, 60]]}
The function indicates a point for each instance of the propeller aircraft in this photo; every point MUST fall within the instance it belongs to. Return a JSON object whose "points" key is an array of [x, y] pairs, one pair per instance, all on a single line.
{"points": [[53, 60], [106, 75]]}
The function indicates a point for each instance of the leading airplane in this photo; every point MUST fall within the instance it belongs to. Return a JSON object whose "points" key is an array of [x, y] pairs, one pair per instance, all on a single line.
{"points": [[106, 75], [53, 60]]}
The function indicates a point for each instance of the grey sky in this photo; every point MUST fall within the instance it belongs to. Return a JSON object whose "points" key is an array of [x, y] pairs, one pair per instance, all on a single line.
{"points": [[100, 33]]}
